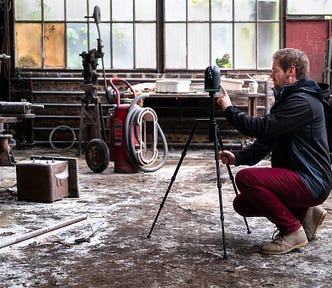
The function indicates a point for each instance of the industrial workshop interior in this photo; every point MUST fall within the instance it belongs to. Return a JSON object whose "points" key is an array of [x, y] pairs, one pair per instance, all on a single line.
{"points": [[110, 136]]}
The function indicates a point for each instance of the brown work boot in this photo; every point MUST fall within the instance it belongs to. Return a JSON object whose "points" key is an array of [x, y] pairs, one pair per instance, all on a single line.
{"points": [[312, 220], [284, 243]]}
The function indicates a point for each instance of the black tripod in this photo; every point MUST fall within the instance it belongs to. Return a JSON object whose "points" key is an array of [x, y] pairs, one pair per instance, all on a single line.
{"points": [[215, 136]]}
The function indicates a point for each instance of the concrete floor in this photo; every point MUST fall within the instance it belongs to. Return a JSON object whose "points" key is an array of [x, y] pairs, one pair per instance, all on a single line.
{"points": [[185, 248]]}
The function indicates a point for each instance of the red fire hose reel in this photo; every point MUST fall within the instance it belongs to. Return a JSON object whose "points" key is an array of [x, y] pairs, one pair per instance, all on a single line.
{"points": [[133, 136]]}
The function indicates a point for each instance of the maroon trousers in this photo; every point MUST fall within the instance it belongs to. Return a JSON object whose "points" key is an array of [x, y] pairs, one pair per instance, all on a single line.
{"points": [[278, 194]]}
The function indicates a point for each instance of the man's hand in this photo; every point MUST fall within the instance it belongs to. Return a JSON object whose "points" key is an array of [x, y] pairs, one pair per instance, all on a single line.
{"points": [[223, 99], [227, 157]]}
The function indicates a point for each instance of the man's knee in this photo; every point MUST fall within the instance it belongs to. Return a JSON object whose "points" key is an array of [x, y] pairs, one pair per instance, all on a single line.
{"points": [[244, 207], [244, 177], [238, 205]]}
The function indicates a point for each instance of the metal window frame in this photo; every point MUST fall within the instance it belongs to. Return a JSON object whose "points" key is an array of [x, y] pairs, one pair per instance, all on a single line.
{"points": [[160, 37]]}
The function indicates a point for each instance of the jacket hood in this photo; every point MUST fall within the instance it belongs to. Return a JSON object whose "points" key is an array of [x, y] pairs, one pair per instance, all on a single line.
{"points": [[318, 90]]}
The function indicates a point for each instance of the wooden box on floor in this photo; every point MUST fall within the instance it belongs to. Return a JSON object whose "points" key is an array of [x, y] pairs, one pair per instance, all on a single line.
{"points": [[73, 181], [42, 180]]}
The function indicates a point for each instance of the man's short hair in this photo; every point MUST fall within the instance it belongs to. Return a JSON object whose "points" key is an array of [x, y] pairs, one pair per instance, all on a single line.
{"points": [[289, 57]]}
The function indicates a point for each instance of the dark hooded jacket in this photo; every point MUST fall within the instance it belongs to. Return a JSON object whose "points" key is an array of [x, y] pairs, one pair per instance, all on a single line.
{"points": [[294, 132]]}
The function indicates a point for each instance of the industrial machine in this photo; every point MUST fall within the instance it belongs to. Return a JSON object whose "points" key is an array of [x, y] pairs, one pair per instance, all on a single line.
{"points": [[12, 112], [131, 140]]}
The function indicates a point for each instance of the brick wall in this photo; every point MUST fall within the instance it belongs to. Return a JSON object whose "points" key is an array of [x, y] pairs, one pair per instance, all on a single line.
{"points": [[61, 92]]}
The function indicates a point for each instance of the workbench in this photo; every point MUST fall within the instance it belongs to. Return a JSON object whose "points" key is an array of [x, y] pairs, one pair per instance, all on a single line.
{"points": [[252, 98]]}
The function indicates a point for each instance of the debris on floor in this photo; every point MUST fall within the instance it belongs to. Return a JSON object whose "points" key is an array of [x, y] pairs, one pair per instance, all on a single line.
{"points": [[110, 248]]}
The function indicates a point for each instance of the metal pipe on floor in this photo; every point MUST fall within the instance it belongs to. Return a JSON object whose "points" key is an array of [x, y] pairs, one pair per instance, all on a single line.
{"points": [[41, 231]]}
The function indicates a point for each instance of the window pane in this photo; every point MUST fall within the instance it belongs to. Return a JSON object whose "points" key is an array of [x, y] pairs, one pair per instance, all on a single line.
{"points": [[28, 52], [76, 43], [222, 10], [198, 47], [222, 45], [122, 40], [122, 10], [268, 10], [76, 10], [309, 7], [54, 10], [198, 10], [104, 6], [268, 43], [145, 47], [145, 10], [175, 46], [175, 10], [54, 45], [27, 10], [245, 10], [105, 36], [245, 48]]}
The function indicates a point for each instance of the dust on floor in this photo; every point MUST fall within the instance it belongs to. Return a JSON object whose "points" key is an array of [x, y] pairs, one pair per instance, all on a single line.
{"points": [[110, 248]]}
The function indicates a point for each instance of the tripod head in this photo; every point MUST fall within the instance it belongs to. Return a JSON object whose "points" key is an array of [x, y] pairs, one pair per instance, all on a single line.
{"points": [[212, 79], [212, 85]]}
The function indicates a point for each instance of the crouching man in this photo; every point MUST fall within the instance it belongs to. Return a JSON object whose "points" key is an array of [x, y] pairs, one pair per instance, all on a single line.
{"points": [[294, 133]]}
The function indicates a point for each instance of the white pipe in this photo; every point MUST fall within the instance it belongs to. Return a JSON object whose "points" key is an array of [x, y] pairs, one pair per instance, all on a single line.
{"points": [[41, 231]]}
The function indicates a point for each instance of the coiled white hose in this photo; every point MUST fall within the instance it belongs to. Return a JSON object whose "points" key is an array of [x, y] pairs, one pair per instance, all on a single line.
{"points": [[136, 116]]}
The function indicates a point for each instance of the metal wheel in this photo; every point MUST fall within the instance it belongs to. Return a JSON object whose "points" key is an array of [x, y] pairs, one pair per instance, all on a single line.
{"points": [[97, 155]]}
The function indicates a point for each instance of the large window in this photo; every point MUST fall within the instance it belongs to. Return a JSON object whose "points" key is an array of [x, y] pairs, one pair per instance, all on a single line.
{"points": [[233, 34]]}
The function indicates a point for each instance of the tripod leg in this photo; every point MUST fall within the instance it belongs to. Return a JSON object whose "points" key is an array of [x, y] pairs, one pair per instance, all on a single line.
{"points": [[231, 177], [216, 155], [184, 152]]}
